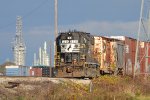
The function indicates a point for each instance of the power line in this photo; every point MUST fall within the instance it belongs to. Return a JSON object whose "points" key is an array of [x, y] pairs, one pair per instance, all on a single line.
{"points": [[25, 15], [35, 9]]}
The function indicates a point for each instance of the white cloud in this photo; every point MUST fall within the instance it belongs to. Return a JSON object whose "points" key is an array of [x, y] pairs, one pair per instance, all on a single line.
{"points": [[93, 27], [44, 30], [105, 28]]}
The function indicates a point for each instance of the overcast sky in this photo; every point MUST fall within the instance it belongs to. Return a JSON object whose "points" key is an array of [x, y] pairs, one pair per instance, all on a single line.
{"points": [[101, 17]]}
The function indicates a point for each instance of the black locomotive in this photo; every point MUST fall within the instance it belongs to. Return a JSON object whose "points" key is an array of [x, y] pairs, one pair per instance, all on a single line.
{"points": [[74, 55]]}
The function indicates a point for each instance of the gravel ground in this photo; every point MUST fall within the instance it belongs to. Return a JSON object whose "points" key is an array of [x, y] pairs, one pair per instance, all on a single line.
{"points": [[30, 88], [44, 79]]}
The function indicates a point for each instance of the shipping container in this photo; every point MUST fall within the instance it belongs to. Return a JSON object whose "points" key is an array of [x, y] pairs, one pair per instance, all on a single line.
{"points": [[42, 71], [14, 70], [35, 71], [45, 71], [2, 67]]}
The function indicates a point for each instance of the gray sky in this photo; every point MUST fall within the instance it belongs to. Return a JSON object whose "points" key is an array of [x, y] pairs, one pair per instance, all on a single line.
{"points": [[101, 17]]}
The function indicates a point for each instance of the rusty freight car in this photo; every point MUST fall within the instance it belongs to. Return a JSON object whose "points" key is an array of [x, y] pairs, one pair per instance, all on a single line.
{"points": [[130, 49], [144, 57], [110, 54]]}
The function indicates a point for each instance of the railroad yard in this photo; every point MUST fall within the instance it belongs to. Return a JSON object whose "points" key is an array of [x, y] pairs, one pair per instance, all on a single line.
{"points": [[91, 54], [102, 88]]}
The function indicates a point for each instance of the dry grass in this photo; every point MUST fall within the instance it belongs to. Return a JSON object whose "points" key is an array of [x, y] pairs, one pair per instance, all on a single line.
{"points": [[102, 88]]}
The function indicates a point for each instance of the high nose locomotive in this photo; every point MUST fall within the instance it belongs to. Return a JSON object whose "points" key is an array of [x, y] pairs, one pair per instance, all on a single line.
{"points": [[74, 55]]}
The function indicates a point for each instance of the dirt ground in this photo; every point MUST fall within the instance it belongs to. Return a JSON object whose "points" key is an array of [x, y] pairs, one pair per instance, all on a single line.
{"points": [[102, 88]]}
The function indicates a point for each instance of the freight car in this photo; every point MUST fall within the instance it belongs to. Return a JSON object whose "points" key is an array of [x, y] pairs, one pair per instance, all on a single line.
{"points": [[109, 53], [74, 55], [129, 53]]}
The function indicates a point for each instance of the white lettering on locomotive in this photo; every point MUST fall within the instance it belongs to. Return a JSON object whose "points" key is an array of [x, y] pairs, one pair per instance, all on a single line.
{"points": [[69, 41]]}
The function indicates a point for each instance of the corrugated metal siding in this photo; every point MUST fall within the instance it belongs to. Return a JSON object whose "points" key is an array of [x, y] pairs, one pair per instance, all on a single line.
{"points": [[46, 71], [142, 52], [149, 56], [98, 43], [36, 72], [42, 71], [130, 48], [17, 71], [120, 55], [133, 50], [107, 61], [143, 57], [117, 54], [104, 55], [147, 69], [104, 50], [112, 55], [128, 61]]}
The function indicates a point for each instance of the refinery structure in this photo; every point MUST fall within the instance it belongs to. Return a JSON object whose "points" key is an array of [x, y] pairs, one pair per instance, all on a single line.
{"points": [[19, 48], [43, 57]]}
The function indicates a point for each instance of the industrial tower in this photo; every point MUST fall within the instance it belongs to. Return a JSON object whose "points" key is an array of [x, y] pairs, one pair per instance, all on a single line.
{"points": [[43, 57], [19, 48]]}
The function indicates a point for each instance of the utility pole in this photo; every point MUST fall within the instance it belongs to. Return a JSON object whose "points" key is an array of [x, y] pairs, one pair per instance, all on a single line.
{"points": [[56, 19], [137, 44], [55, 28]]}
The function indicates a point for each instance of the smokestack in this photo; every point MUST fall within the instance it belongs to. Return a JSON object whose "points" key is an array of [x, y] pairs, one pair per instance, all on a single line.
{"points": [[45, 46], [35, 63], [40, 56]]}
